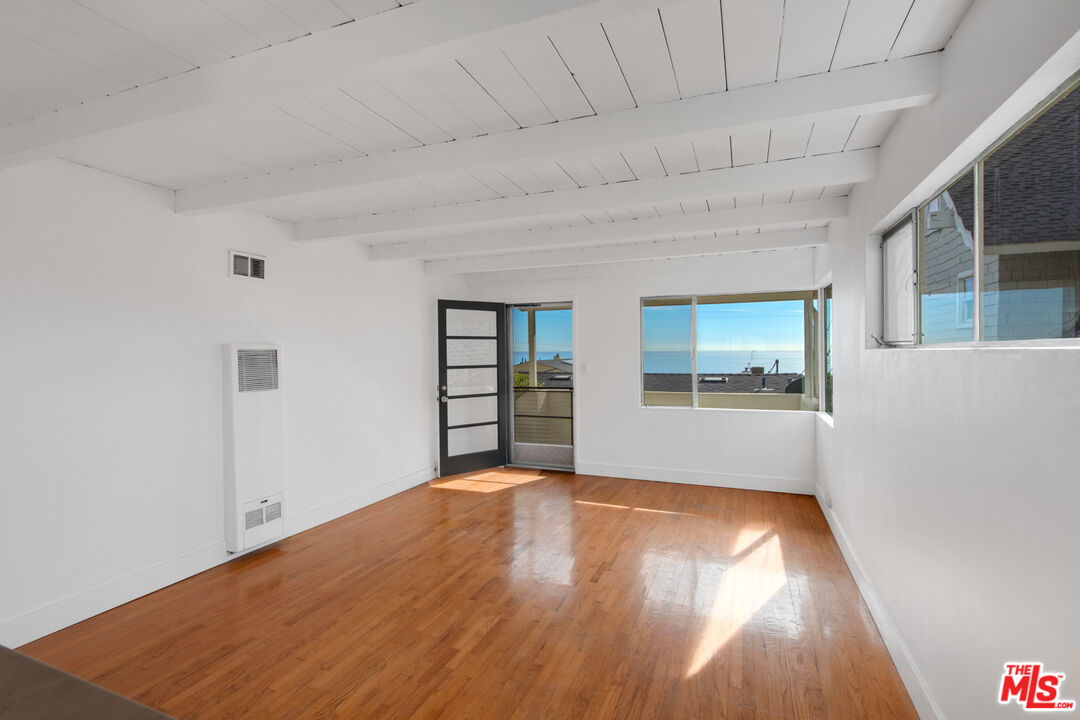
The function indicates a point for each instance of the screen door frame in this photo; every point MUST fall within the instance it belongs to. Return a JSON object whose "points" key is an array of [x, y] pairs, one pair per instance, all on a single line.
{"points": [[468, 462]]}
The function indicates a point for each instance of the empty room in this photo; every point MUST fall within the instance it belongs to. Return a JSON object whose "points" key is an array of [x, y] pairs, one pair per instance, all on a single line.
{"points": [[520, 359]]}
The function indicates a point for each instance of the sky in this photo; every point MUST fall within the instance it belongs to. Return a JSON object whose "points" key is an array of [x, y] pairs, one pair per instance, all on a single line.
{"points": [[553, 333], [760, 326]]}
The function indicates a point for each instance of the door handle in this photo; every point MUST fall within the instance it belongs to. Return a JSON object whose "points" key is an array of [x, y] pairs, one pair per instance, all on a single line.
{"points": [[444, 399]]}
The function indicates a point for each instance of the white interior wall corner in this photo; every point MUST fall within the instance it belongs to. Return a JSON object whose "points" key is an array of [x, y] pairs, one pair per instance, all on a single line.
{"points": [[945, 464], [115, 309]]}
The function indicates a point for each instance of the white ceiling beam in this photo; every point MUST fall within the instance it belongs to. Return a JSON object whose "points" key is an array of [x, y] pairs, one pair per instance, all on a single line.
{"points": [[406, 38], [862, 90], [837, 169], [615, 232], [655, 250]]}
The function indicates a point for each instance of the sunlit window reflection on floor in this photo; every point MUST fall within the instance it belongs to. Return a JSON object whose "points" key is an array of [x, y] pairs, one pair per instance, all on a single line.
{"points": [[628, 507], [744, 589], [747, 536], [487, 481], [543, 541]]}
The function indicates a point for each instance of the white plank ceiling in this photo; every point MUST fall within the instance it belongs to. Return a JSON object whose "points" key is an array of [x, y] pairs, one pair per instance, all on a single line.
{"points": [[57, 54]]}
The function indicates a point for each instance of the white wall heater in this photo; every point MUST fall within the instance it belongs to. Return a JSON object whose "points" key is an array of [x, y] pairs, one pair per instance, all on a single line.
{"points": [[254, 442]]}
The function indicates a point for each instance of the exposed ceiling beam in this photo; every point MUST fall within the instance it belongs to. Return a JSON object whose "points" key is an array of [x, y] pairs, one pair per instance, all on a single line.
{"points": [[837, 169], [615, 232], [406, 38], [655, 250], [841, 93]]}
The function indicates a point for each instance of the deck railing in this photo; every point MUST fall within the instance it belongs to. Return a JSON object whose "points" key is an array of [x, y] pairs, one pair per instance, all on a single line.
{"points": [[544, 415]]}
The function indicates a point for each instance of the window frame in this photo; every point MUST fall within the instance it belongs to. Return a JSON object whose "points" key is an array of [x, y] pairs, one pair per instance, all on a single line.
{"points": [[816, 294], [976, 167], [825, 348], [912, 217]]}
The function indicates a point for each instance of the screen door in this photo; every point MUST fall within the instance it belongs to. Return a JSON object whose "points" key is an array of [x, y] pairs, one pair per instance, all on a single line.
{"points": [[473, 392]]}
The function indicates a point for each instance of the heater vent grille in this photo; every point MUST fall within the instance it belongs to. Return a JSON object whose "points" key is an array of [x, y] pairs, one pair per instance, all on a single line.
{"points": [[253, 518], [257, 370], [273, 512]]}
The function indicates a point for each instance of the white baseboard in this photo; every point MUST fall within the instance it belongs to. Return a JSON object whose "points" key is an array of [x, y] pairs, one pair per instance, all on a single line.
{"points": [[771, 483], [313, 518], [49, 618], [57, 615], [913, 680]]}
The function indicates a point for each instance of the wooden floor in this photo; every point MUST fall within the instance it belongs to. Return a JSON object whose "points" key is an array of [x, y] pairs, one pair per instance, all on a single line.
{"points": [[513, 594]]}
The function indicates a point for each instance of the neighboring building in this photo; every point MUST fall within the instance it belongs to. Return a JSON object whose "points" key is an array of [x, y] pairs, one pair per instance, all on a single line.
{"points": [[948, 308], [1031, 258], [720, 383], [552, 365]]}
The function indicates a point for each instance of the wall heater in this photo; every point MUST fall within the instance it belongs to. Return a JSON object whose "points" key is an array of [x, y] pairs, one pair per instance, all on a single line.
{"points": [[254, 441]]}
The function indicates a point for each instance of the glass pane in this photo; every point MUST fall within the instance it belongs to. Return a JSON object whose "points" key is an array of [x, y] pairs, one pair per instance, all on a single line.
{"points": [[470, 322], [472, 381], [471, 352], [751, 348], [462, 441], [546, 361], [947, 262], [898, 255], [1031, 238], [466, 411], [828, 350], [665, 352]]}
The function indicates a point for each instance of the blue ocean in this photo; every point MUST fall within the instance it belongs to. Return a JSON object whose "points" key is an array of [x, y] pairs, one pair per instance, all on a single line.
{"points": [[709, 361]]}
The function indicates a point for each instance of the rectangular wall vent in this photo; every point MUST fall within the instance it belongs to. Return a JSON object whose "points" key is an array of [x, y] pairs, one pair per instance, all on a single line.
{"points": [[246, 265], [257, 370], [273, 512], [253, 518]]}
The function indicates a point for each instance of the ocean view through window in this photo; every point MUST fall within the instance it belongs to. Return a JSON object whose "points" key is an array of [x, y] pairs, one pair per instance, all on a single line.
{"points": [[730, 351], [542, 421]]}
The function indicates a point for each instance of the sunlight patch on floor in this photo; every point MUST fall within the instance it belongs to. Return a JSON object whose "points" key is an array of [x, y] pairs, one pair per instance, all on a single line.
{"points": [[748, 536], [488, 481], [744, 589], [630, 507], [603, 505]]}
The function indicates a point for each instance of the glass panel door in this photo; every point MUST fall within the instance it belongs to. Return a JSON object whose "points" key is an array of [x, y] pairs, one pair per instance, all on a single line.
{"points": [[543, 376], [473, 391]]}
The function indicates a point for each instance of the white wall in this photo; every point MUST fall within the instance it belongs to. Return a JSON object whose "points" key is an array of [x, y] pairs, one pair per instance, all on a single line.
{"points": [[614, 434], [112, 313], [952, 472]]}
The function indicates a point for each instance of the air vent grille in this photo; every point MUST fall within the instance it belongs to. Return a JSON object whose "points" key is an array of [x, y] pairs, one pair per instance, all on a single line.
{"points": [[257, 370], [253, 518], [273, 512], [248, 266], [257, 268]]}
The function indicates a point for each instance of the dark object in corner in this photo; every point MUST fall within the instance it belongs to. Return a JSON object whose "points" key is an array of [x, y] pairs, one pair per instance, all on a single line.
{"points": [[32, 690]]}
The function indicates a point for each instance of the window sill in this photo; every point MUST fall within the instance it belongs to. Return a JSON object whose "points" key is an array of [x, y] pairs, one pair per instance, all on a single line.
{"points": [[1051, 344], [732, 410], [825, 418]]}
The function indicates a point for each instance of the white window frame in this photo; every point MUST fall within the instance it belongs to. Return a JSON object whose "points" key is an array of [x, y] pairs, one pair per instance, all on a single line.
{"points": [[915, 216], [911, 217], [819, 349]]}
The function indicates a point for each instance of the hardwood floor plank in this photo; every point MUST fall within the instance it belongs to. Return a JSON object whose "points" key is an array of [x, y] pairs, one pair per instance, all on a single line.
{"points": [[513, 593]]}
